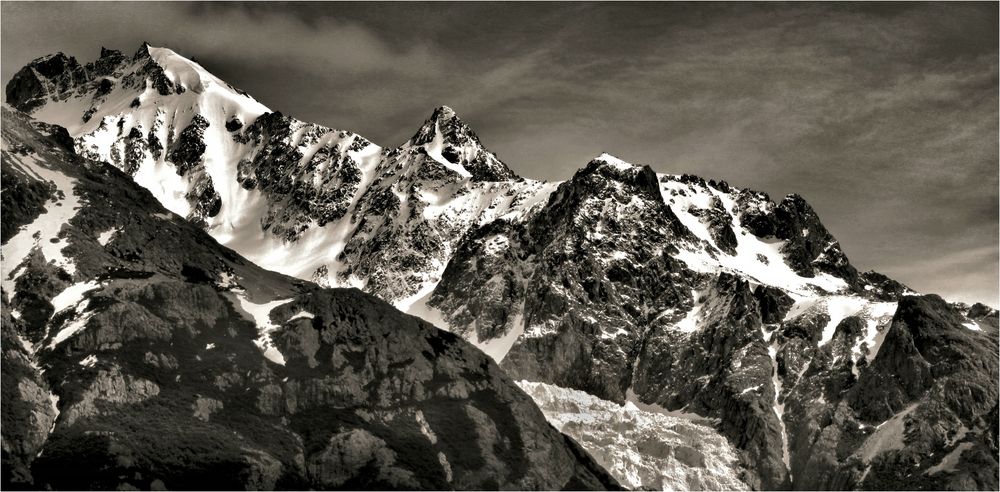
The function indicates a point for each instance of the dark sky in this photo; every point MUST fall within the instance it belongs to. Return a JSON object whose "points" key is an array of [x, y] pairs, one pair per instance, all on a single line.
{"points": [[884, 116]]}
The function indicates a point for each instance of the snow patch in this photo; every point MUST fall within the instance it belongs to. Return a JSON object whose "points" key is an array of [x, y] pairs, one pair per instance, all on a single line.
{"points": [[614, 161], [74, 325], [779, 408], [54, 403], [443, 460], [840, 307], [425, 427], [691, 320], [72, 295], [633, 399], [422, 310], [228, 281], [972, 325], [46, 227], [105, 237], [302, 315], [436, 146], [496, 244], [759, 259], [878, 317], [261, 316], [949, 462]]}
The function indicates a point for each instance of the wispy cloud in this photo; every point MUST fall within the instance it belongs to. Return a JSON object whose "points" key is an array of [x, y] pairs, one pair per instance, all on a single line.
{"points": [[236, 32]]}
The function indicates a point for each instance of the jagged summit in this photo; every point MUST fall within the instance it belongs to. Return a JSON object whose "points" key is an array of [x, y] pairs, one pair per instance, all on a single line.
{"points": [[607, 175], [57, 55], [442, 113], [449, 141], [29, 87], [72, 95], [443, 121], [615, 161]]}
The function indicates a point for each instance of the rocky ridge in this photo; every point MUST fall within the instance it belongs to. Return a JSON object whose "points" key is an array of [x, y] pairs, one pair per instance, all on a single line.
{"points": [[295, 197], [139, 353]]}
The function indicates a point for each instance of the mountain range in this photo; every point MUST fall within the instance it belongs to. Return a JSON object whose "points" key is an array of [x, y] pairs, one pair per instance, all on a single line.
{"points": [[686, 332]]}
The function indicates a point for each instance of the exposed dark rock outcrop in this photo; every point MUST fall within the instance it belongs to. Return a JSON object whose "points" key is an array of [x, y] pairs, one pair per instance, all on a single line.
{"points": [[43, 78], [234, 124], [190, 146], [277, 169], [28, 413], [773, 303], [576, 289]]}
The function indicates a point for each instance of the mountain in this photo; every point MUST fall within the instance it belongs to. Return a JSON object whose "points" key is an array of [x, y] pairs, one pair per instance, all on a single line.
{"points": [[294, 197], [140, 353], [630, 285]]}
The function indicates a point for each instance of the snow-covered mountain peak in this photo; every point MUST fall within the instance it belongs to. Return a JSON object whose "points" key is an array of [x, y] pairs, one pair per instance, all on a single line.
{"points": [[614, 161], [606, 174], [449, 141], [182, 71], [443, 113], [443, 124], [672, 290], [58, 89]]}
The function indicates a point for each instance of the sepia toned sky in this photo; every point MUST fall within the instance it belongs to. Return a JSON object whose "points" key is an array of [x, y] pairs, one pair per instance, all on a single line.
{"points": [[884, 116]]}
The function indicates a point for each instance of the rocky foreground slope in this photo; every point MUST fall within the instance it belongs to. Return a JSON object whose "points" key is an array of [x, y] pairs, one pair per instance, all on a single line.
{"points": [[624, 283], [139, 353]]}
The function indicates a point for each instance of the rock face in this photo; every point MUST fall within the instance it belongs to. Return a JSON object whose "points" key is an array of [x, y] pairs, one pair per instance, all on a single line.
{"points": [[620, 282], [275, 168], [160, 359], [719, 369], [43, 78], [29, 411], [917, 416], [556, 283]]}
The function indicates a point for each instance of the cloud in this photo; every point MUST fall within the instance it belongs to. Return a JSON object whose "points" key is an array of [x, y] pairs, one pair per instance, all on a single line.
{"points": [[233, 31], [968, 275], [322, 45]]}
